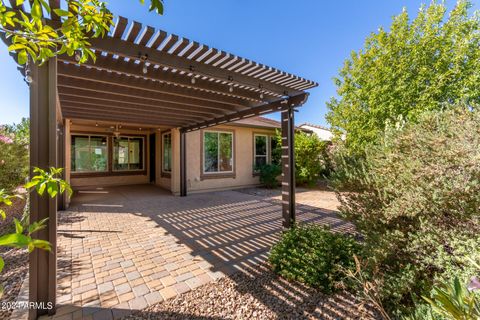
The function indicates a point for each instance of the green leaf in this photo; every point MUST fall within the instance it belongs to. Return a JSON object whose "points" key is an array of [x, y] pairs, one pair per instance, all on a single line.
{"points": [[2, 214], [20, 2], [31, 184], [62, 13], [22, 57], [2, 264], [14, 240], [36, 11], [18, 226], [42, 244], [41, 188], [16, 46]]}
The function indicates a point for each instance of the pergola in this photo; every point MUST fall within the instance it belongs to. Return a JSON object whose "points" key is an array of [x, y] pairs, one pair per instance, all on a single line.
{"points": [[147, 76]]}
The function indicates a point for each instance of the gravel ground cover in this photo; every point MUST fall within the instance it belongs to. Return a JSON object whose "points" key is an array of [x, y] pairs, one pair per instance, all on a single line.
{"points": [[256, 294], [16, 261]]}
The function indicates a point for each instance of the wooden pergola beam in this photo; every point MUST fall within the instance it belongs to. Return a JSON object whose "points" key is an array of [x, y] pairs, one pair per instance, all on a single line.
{"points": [[98, 76], [132, 101], [146, 96], [118, 118], [134, 69], [95, 109], [278, 105]]}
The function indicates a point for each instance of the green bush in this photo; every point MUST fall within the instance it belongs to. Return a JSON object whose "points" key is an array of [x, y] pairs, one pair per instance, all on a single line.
{"points": [[416, 203], [14, 160], [312, 157], [269, 175], [314, 255]]}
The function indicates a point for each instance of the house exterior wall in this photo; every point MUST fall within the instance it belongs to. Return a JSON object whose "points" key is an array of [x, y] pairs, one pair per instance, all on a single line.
{"points": [[323, 134], [243, 154], [79, 180], [242, 176]]}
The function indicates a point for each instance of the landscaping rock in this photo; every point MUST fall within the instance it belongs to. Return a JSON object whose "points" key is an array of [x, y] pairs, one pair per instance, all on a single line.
{"points": [[256, 294]]}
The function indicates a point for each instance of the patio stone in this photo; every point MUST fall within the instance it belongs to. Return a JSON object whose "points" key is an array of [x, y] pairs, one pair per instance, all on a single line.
{"points": [[123, 288], [158, 246], [138, 303], [140, 290], [153, 297]]}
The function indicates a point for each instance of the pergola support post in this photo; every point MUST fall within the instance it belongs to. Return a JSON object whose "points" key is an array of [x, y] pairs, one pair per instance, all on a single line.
{"points": [[288, 167], [183, 164], [43, 154], [62, 199]]}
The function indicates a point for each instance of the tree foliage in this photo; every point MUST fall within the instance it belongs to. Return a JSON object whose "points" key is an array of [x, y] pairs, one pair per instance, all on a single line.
{"points": [[416, 204], [36, 35], [428, 63], [14, 160]]}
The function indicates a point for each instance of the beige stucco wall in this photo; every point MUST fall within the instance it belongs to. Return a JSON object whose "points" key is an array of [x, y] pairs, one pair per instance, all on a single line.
{"points": [[243, 161]]}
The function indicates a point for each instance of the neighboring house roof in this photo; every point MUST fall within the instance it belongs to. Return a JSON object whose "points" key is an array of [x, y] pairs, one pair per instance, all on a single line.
{"points": [[260, 122], [322, 132], [306, 124]]}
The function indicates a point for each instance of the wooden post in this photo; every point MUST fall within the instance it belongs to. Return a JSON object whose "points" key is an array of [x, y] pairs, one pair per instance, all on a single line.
{"points": [[61, 204], [288, 167], [183, 164], [43, 154]]}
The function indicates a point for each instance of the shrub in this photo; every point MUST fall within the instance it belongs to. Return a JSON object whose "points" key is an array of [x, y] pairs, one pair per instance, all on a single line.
{"points": [[269, 174], [416, 203], [312, 159], [14, 161], [314, 255]]}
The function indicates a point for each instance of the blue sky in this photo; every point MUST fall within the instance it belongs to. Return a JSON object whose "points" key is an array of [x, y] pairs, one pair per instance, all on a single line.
{"points": [[310, 38]]}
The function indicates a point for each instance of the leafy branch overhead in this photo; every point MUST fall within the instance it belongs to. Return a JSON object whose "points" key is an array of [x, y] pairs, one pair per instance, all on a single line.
{"points": [[44, 33]]}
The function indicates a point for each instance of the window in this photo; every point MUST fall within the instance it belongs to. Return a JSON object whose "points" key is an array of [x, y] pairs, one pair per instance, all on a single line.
{"points": [[217, 151], [167, 152], [265, 151], [275, 153], [260, 150], [89, 153], [128, 153]]}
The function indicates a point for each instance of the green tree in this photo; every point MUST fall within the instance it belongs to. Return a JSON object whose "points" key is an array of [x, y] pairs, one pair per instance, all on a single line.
{"points": [[69, 33], [428, 63], [311, 157]]}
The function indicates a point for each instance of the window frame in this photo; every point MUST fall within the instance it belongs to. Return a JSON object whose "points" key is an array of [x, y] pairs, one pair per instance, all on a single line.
{"points": [[144, 151], [166, 173], [269, 136], [267, 147], [217, 174], [107, 169]]}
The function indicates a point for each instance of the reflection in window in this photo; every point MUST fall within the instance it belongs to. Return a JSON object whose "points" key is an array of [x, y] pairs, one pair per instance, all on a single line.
{"points": [[128, 153], [89, 153], [167, 152], [275, 151], [260, 151], [217, 151]]}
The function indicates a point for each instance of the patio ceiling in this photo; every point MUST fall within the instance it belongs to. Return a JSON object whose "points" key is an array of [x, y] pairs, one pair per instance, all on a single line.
{"points": [[148, 76]]}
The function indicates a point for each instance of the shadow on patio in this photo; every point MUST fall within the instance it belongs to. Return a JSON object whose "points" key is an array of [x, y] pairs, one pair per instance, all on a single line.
{"points": [[125, 248]]}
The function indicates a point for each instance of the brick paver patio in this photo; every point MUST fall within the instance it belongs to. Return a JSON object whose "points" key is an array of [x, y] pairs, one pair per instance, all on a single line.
{"points": [[124, 248]]}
